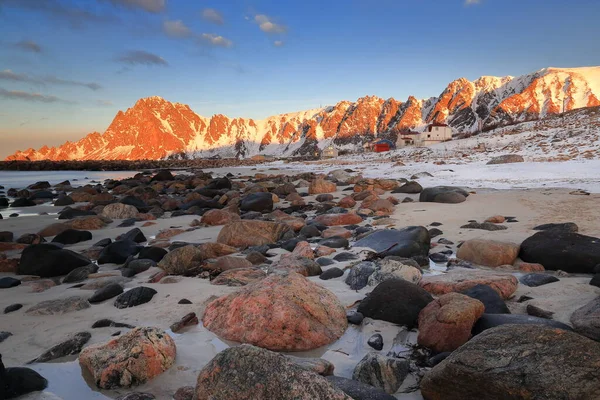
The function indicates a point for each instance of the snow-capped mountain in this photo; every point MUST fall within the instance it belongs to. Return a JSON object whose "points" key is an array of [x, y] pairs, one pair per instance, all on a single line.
{"points": [[155, 128]]}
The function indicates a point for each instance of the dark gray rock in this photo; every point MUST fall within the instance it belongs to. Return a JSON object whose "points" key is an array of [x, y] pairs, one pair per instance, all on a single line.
{"points": [[3, 336], [506, 159], [359, 274], [354, 317], [535, 279], [396, 301], [107, 292], [324, 261], [23, 202], [407, 242], [595, 281], [48, 260], [260, 202], [136, 396], [8, 282], [134, 235], [335, 242], [345, 256], [12, 308], [494, 304], [586, 320], [72, 236], [80, 274], [538, 312], [103, 242], [70, 213], [107, 323], [443, 194], [17, 381], [409, 187], [69, 347], [118, 252], [358, 390], [558, 250], [486, 226], [155, 254], [488, 321], [331, 273], [438, 257], [386, 373], [310, 231], [135, 297], [562, 227], [376, 341]]}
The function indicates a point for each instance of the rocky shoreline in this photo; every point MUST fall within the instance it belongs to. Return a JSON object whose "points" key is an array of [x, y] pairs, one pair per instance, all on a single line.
{"points": [[336, 286]]}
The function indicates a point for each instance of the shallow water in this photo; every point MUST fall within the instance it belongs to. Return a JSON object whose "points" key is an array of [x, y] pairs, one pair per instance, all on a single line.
{"points": [[22, 179]]}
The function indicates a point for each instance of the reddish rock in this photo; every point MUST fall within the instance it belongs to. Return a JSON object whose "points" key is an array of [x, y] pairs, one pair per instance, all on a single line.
{"points": [[185, 260], [379, 205], [347, 202], [219, 217], [321, 186], [460, 279], [301, 265], [528, 267], [445, 324], [89, 223], [9, 246], [226, 263], [9, 264], [239, 277], [303, 249], [120, 211], [322, 251], [214, 250], [41, 285], [247, 233], [338, 219], [53, 229], [281, 312], [169, 233], [489, 253], [296, 223], [130, 359], [496, 219], [336, 231]]}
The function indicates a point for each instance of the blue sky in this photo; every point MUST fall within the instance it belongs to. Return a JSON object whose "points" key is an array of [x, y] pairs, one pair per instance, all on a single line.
{"points": [[67, 66]]}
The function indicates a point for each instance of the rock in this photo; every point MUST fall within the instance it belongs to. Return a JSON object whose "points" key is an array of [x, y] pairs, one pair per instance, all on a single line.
{"points": [[586, 320], [3, 336], [443, 194], [92, 222], [382, 372], [63, 200], [134, 235], [486, 226], [392, 269], [331, 273], [489, 253], [438, 257], [100, 282], [104, 323], [219, 217], [409, 187], [152, 253], [376, 341], [319, 186], [359, 274], [345, 256], [141, 265], [489, 321], [494, 304], [595, 281], [445, 323], [8, 282], [336, 231], [562, 227], [397, 301], [297, 314], [334, 242], [325, 197], [260, 202], [233, 375], [80, 274], [40, 285], [407, 242], [495, 219], [214, 250], [120, 211], [247, 233], [30, 238], [135, 297], [535, 280], [301, 265], [69, 347], [72, 236], [23, 202], [460, 279], [118, 252], [12, 308], [136, 396], [316, 365], [506, 159], [6, 236], [163, 175], [130, 359], [227, 263], [310, 231], [239, 277], [18, 381], [169, 233], [186, 260], [107, 292], [347, 202], [559, 250], [47, 260], [538, 312], [358, 390], [518, 362], [186, 320], [53, 230], [354, 317], [435, 232], [338, 219], [59, 306], [184, 393], [71, 213]]}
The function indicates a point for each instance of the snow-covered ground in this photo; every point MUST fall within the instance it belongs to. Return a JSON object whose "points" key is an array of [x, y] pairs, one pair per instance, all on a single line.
{"points": [[575, 174]]}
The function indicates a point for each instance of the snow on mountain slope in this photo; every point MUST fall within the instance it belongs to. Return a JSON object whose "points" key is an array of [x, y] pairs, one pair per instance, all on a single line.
{"points": [[155, 128]]}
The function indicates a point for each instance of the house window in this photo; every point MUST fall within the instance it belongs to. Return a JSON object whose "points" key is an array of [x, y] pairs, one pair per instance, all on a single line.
{"points": [[428, 136], [436, 128]]}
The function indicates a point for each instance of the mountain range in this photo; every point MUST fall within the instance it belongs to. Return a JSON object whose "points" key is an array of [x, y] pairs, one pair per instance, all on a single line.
{"points": [[155, 128]]}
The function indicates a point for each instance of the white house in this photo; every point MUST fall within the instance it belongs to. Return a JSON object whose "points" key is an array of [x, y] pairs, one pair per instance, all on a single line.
{"points": [[329, 152], [434, 133]]}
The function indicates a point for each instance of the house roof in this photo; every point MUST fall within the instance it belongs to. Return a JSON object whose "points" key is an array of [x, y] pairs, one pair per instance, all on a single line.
{"points": [[404, 133]]}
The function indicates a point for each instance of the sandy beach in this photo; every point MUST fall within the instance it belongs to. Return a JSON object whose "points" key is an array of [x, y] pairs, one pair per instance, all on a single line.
{"points": [[196, 345]]}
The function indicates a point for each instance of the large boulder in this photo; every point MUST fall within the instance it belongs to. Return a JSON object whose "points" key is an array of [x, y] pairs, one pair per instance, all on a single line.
{"points": [[444, 194], [185, 260], [489, 321], [518, 362], [72, 236], [261, 202], [219, 217], [58, 306], [460, 279], [489, 253], [17, 381], [248, 372], [494, 304], [386, 373], [394, 269], [120, 211], [118, 252], [397, 301], [359, 274], [338, 219], [281, 312], [408, 242], [586, 320], [321, 186], [409, 187], [560, 250], [506, 159], [130, 359], [445, 324], [248, 233], [47, 260], [239, 277]]}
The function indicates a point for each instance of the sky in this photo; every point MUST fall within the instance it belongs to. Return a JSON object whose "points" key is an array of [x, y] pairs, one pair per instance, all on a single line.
{"points": [[68, 66]]}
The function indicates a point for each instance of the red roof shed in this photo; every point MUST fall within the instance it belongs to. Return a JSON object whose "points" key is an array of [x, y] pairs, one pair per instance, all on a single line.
{"points": [[381, 147]]}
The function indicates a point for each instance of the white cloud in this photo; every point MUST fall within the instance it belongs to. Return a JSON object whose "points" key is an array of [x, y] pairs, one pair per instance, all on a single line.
{"points": [[153, 6], [267, 25], [216, 40], [176, 29], [472, 2], [212, 15], [278, 43]]}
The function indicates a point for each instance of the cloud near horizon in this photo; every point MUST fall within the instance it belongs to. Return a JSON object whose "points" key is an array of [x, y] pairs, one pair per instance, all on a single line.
{"points": [[151, 6], [29, 45], [212, 15], [141, 57], [32, 97], [176, 29], [266, 24], [75, 16], [472, 2], [9, 75], [216, 40]]}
